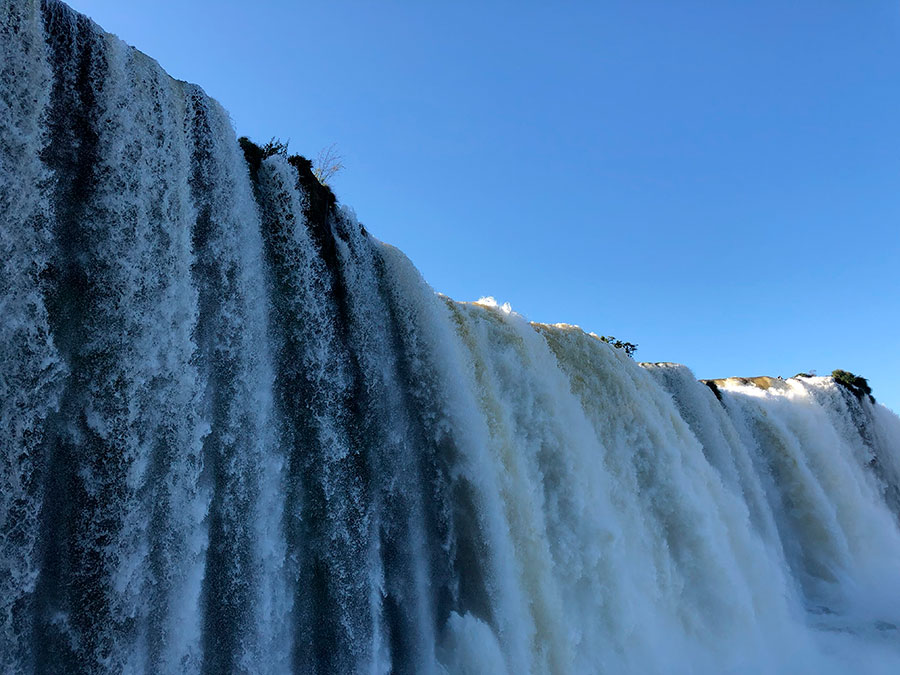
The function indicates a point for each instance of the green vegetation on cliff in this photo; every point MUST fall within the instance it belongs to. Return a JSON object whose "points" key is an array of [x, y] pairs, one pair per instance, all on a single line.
{"points": [[857, 385], [629, 347], [321, 199]]}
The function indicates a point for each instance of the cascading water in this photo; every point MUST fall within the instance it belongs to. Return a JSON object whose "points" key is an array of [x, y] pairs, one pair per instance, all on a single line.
{"points": [[241, 435]]}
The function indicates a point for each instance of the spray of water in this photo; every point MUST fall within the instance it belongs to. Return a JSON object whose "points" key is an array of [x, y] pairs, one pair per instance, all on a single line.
{"points": [[241, 435]]}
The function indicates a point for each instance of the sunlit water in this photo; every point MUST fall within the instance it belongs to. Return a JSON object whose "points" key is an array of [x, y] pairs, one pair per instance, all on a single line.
{"points": [[234, 440]]}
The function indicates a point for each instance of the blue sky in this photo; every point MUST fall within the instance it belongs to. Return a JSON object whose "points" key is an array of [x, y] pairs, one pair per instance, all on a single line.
{"points": [[717, 182]]}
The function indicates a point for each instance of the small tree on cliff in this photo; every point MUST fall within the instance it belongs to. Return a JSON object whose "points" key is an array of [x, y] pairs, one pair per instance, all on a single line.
{"points": [[629, 347], [327, 163]]}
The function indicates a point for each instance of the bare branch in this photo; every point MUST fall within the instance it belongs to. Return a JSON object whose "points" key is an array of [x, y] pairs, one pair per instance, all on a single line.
{"points": [[327, 163]]}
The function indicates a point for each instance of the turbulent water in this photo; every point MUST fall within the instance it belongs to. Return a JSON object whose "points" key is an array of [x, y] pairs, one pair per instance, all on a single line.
{"points": [[241, 435]]}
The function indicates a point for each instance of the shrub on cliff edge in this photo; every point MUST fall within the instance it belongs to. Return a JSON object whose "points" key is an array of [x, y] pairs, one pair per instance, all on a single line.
{"points": [[629, 347], [857, 385]]}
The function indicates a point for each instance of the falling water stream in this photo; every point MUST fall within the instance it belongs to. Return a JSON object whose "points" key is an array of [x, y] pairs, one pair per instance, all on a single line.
{"points": [[239, 434]]}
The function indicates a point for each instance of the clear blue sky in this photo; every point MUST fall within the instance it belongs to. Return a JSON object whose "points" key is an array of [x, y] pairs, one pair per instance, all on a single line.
{"points": [[716, 181]]}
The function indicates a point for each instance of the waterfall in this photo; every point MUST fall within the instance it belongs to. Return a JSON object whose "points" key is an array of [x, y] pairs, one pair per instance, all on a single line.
{"points": [[238, 434]]}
